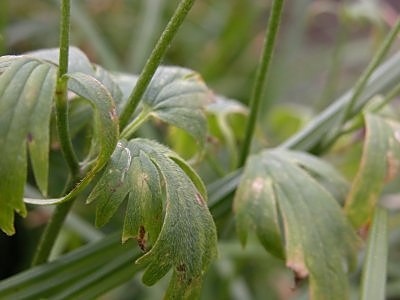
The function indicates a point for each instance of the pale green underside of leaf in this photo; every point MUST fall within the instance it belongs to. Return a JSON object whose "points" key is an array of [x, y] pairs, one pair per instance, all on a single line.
{"points": [[26, 91], [105, 127], [166, 212], [280, 201], [175, 95], [373, 283], [379, 164]]}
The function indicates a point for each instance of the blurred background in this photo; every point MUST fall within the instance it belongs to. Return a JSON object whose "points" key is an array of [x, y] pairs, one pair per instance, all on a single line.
{"points": [[323, 46]]}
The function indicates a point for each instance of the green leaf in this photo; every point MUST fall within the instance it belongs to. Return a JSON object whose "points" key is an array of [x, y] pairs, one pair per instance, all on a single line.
{"points": [[379, 164], [27, 87], [105, 125], [373, 283], [290, 210], [77, 60], [178, 97], [166, 212], [85, 273]]}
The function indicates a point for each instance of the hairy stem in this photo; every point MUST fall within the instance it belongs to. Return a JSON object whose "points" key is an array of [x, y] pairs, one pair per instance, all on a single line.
{"points": [[154, 60], [262, 71], [52, 229]]}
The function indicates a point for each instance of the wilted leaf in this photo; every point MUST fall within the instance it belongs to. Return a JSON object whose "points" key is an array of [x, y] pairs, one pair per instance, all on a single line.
{"points": [[380, 163], [166, 212], [178, 97], [295, 217], [26, 91]]}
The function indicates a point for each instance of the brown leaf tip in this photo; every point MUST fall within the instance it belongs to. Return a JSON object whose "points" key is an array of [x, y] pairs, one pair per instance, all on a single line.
{"points": [[300, 272]]}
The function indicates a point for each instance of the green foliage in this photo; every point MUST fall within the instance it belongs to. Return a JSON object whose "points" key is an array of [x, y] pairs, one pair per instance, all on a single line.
{"points": [[297, 204], [375, 263], [166, 212], [379, 164], [296, 218], [27, 86]]}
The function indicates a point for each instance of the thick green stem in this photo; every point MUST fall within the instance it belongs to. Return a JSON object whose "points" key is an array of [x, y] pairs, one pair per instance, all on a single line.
{"points": [[52, 229], [154, 60], [262, 71], [135, 124]]}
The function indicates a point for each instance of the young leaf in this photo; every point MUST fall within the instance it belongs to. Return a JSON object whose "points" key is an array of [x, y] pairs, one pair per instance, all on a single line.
{"points": [[106, 128], [290, 210], [178, 96], [374, 272], [379, 164], [166, 212], [26, 91]]}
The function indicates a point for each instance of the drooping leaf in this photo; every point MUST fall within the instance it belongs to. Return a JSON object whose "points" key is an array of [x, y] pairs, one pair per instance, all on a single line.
{"points": [[380, 163], [373, 283], [296, 217], [178, 97], [166, 212], [26, 91], [105, 126]]}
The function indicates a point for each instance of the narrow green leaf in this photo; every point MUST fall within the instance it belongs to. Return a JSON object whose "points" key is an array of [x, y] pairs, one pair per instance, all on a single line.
{"points": [[277, 195], [373, 282], [81, 273], [166, 212], [26, 90], [178, 96], [379, 164], [105, 125]]}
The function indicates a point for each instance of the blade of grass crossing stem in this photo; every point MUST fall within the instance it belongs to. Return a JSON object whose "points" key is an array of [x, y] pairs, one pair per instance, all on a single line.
{"points": [[374, 271], [154, 60], [262, 71]]}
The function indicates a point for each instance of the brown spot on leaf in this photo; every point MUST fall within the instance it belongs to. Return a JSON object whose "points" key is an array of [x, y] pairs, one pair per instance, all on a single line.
{"points": [[29, 137], [363, 231], [141, 239], [199, 199], [181, 268], [113, 114]]}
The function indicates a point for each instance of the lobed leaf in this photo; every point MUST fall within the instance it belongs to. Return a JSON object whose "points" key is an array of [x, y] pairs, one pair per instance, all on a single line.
{"points": [[178, 97], [166, 213], [379, 164], [105, 125], [26, 90], [295, 217]]}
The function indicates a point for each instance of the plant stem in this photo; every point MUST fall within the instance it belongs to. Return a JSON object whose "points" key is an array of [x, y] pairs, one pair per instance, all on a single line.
{"points": [[135, 124], [360, 85], [50, 233], [262, 71], [52, 229], [154, 60]]}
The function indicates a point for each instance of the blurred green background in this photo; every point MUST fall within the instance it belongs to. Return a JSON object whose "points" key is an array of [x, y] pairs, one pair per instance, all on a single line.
{"points": [[323, 46]]}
